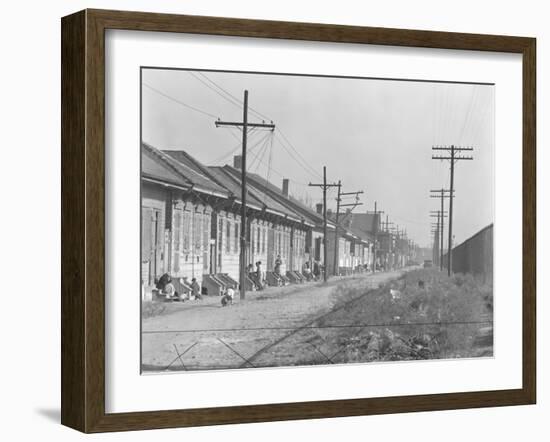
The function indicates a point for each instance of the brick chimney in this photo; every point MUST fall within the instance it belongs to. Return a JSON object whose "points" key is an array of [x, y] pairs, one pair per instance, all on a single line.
{"points": [[238, 162], [285, 186], [319, 208], [329, 212]]}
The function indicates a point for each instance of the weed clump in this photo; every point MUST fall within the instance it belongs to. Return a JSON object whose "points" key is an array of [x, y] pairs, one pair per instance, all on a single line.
{"points": [[424, 314]]}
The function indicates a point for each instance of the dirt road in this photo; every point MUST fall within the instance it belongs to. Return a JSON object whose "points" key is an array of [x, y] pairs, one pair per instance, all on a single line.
{"points": [[274, 327]]}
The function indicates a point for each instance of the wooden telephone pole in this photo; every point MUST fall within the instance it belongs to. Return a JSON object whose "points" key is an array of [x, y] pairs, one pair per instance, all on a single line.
{"points": [[376, 213], [325, 186], [387, 224], [336, 266], [440, 223], [441, 194], [451, 155], [245, 125]]}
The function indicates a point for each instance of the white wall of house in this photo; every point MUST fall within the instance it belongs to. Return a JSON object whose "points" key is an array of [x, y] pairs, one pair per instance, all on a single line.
{"points": [[228, 243], [190, 240], [153, 234]]}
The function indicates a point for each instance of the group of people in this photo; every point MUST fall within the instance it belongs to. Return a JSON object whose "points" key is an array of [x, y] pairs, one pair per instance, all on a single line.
{"points": [[312, 272], [192, 291], [166, 287]]}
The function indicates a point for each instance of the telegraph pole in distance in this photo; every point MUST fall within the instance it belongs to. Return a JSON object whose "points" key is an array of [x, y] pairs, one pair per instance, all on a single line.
{"points": [[325, 186], [336, 266], [440, 222], [435, 248], [388, 224], [244, 125], [335, 269], [376, 212], [441, 194], [452, 156]]}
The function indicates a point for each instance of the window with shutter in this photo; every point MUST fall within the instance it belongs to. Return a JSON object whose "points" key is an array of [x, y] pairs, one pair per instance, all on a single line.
{"points": [[220, 242], [205, 242], [146, 239], [186, 231], [177, 240], [237, 237], [197, 234], [228, 237]]}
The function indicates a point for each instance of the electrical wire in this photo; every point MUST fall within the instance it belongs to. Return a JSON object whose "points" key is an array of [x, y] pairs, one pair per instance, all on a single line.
{"points": [[305, 163], [234, 149], [181, 103], [232, 98]]}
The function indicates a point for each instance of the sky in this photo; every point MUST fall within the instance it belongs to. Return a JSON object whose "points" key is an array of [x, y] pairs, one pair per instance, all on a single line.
{"points": [[374, 135]]}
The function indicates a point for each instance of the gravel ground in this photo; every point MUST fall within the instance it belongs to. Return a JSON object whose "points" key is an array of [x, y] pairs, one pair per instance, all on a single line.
{"points": [[274, 327]]}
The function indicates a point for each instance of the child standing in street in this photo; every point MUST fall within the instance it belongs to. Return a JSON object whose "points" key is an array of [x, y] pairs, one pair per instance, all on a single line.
{"points": [[196, 289]]}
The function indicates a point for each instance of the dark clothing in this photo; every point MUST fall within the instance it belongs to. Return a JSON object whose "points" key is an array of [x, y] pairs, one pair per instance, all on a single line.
{"points": [[196, 290], [163, 280], [316, 269], [278, 263]]}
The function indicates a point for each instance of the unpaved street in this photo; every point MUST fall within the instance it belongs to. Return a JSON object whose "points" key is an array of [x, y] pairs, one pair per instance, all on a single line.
{"points": [[274, 327]]}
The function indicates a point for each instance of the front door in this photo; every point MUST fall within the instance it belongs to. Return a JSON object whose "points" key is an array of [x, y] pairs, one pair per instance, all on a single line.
{"points": [[156, 245], [212, 268]]}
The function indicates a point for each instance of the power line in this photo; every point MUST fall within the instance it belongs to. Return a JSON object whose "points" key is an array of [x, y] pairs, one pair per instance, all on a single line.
{"points": [[450, 153], [261, 151], [303, 165], [231, 101], [232, 98], [468, 114], [235, 148], [181, 103], [305, 162]]}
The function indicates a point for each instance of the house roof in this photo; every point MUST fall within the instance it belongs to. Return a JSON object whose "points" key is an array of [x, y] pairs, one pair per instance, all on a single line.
{"points": [[233, 186], [193, 176], [363, 225], [229, 179], [308, 214], [262, 194], [152, 167]]}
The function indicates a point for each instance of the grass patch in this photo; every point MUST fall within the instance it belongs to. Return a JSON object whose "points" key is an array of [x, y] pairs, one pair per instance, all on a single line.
{"points": [[422, 315]]}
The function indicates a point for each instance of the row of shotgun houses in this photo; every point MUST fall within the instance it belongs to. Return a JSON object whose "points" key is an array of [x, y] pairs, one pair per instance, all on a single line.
{"points": [[393, 250], [190, 223]]}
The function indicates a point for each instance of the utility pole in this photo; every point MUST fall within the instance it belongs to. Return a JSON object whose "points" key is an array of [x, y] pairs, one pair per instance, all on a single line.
{"points": [[325, 186], [336, 266], [245, 125], [435, 248], [441, 194], [452, 156], [441, 215], [376, 213], [388, 224]]}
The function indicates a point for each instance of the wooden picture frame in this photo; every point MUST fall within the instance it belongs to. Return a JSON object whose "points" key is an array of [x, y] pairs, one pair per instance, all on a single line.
{"points": [[83, 220]]}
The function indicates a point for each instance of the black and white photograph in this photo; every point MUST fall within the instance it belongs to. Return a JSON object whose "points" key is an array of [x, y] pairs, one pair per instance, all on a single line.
{"points": [[302, 220]]}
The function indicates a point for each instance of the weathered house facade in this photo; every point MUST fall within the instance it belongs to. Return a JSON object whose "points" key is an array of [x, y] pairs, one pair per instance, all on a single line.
{"points": [[191, 222], [177, 215], [356, 243]]}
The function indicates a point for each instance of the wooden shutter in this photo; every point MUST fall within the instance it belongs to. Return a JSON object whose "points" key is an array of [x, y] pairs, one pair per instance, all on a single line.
{"points": [[176, 226], [205, 242], [146, 239]]}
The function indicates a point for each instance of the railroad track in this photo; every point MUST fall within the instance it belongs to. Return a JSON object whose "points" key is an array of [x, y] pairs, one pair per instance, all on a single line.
{"points": [[310, 324]]}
